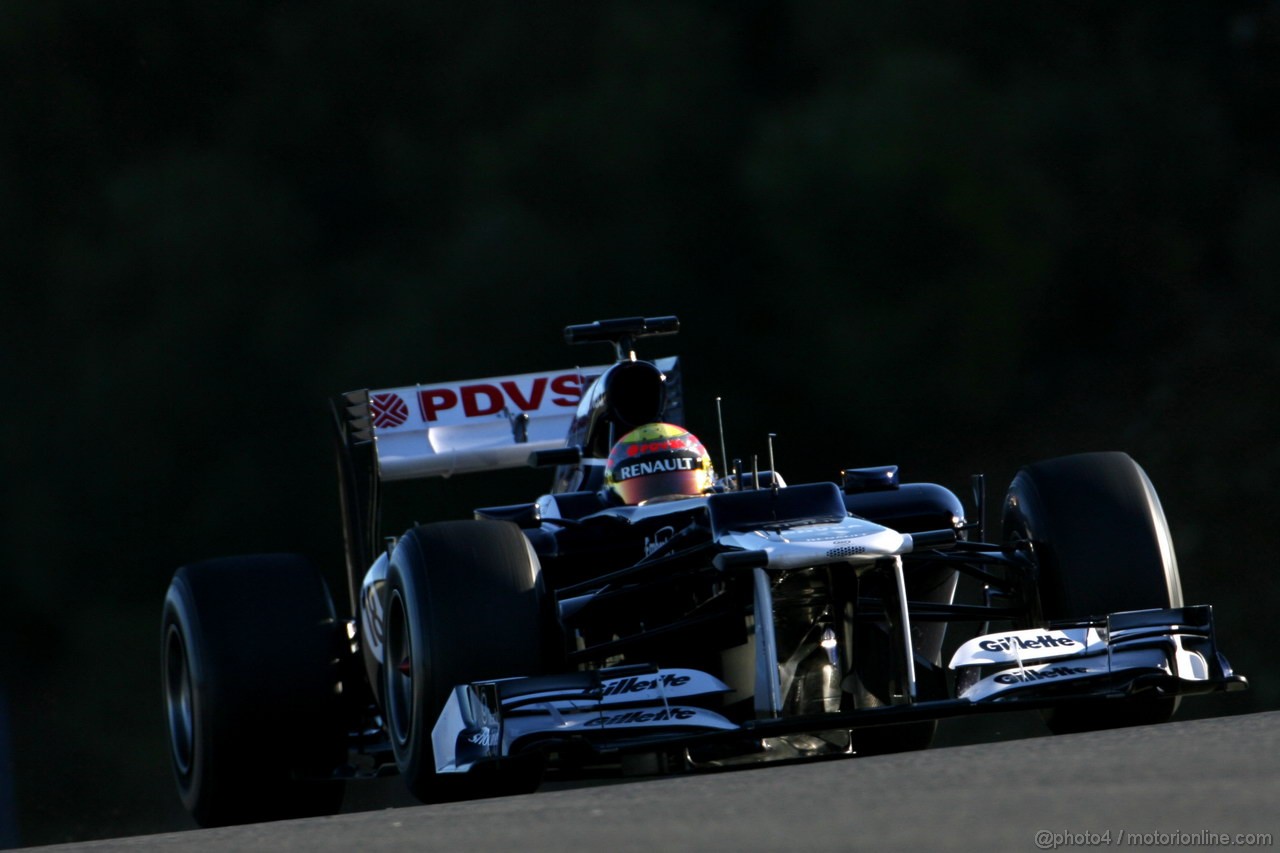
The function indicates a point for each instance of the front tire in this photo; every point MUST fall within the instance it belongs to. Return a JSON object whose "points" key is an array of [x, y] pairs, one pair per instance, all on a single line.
{"points": [[249, 649], [465, 602], [1101, 544]]}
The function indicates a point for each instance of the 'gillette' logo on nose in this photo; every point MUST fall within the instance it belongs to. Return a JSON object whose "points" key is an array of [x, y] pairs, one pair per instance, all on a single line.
{"points": [[1044, 641], [639, 685]]}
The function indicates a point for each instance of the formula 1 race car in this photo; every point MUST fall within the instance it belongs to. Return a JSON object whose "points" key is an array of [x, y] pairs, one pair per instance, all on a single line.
{"points": [[649, 615]]}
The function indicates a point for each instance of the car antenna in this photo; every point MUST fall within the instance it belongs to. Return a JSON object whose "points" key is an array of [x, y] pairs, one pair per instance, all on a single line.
{"points": [[724, 449], [773, 469]]}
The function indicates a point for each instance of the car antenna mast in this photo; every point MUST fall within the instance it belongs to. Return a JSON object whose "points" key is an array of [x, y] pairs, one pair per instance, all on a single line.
{"points": [[773, 469], [724, 448]]}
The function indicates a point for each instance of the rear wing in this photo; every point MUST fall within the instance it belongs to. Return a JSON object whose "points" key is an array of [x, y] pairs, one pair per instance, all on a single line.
{"points": [[449, 428]]}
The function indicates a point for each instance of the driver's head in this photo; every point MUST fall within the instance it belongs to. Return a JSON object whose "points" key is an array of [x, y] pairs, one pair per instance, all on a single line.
{"points": [[658, 461]]}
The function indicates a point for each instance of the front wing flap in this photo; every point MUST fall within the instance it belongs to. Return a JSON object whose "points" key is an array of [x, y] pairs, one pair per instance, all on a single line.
{"points": [[486, 721], [1173, 648], [638, 708]]}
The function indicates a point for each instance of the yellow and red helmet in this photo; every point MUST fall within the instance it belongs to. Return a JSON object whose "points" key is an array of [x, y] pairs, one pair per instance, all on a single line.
{"points": [[658, 461]]}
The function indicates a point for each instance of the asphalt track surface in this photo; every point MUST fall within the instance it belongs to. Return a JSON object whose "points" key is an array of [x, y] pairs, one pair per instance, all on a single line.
{"points": [[1217, 776]]}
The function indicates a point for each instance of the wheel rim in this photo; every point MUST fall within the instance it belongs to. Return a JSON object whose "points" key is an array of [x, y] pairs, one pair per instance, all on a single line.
{"points": [[179, 701], [400, 667]]}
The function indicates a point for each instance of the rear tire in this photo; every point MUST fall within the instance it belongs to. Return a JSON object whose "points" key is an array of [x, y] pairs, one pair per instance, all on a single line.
{"points": [[465, 602], [1101, 545], [249, 649]]}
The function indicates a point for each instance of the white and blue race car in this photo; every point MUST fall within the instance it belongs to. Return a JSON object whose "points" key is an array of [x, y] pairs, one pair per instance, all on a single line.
{"points": [[748, 622]]}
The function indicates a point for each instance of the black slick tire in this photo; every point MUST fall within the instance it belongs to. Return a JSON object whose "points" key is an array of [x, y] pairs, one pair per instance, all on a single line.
{"points": [[1100, 544], [464, 602], [250, 686]]}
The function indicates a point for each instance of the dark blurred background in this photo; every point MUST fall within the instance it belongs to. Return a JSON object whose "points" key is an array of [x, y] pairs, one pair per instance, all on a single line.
{"points": [[954, 236]]}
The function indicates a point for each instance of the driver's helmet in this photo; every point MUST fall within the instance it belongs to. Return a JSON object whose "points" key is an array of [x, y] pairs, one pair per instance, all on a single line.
{"points": [[658, 461]]}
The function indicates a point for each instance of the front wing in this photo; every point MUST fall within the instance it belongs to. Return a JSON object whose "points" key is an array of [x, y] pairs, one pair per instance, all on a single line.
{"points": [[643, 708]]}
